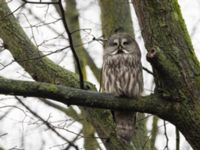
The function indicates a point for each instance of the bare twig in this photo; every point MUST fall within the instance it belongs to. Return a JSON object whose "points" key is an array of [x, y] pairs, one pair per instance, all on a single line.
{"points": [[166, 136], [74, 140], [147, 70], [150, 136], [46, 123], [21, 6], [34, 58], [177, 139], [71, 43]]}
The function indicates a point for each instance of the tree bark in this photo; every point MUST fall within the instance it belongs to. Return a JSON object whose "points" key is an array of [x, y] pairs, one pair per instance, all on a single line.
{"points": [[71, 96], [115, 16], [174, 63]]}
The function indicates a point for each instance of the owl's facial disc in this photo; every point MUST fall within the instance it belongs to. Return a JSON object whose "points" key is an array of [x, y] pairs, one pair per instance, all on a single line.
{"points": [[121, 44]]}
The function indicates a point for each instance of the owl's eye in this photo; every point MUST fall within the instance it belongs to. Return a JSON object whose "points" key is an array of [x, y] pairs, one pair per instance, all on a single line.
{"points": [[124, 43], [114, 43]]}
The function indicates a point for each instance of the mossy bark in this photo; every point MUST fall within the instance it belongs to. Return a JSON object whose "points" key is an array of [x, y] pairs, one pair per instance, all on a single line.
{"points": [[154, 133], [115, 15], [174, 63]]}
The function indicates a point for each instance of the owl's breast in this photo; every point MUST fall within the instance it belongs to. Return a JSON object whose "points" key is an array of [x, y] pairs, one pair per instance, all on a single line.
{"points": [[121, 60], [120, 76]]}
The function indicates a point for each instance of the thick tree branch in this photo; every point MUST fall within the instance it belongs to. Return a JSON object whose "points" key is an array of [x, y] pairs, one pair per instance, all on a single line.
{"points": [[71, 96]]}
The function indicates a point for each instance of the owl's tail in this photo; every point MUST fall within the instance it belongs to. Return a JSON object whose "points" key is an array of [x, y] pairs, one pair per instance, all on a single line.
{"points": [[125, 125]]}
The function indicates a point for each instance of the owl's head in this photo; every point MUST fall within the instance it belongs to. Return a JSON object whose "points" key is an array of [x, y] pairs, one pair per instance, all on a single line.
{"points": [[121, 43]]}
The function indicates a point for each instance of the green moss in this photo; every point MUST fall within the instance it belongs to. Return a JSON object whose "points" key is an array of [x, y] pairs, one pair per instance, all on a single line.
{"points": [[191, 57], [178, 16], [167, 66], [197, 81], [52, 89]]}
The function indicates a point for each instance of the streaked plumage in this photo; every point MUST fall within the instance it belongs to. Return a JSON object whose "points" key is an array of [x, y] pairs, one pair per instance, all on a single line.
{"points": [[122, 76]]}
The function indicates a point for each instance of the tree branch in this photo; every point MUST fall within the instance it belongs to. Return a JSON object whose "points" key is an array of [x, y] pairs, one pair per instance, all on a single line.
{"points": [[71, 96]]}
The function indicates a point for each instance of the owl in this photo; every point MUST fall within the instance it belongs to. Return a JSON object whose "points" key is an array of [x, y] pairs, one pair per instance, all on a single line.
{"points": [[122, 76]]}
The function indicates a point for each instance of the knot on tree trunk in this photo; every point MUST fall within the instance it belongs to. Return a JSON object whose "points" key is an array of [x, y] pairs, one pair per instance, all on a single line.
{"points": [[151, 55]]}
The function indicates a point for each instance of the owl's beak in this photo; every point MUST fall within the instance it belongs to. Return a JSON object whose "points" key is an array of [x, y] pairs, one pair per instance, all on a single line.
{"points": [[120, 49]]}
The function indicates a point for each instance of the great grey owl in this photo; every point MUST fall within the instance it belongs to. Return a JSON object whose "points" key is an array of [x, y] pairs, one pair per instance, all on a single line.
{"points": [[122, 76]]}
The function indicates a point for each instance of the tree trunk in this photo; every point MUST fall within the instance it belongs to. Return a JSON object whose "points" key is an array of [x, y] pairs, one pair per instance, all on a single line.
{"points": [[175, 66]]}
